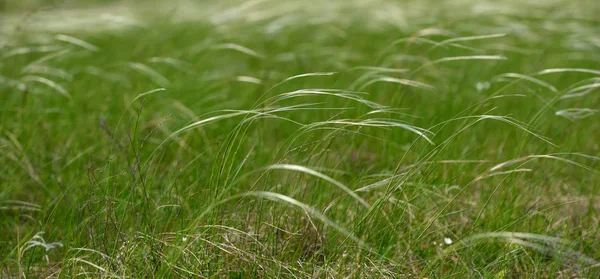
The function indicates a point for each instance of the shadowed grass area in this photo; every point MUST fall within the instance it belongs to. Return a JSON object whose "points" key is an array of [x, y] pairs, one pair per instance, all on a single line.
{"points": [[360, 139]]}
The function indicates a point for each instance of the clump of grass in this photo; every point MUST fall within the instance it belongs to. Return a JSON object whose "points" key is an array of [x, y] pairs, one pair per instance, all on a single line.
{"points": [[301, 139]]}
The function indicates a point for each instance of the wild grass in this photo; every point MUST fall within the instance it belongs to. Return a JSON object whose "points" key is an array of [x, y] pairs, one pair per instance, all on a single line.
{"points": [[300, 139]]}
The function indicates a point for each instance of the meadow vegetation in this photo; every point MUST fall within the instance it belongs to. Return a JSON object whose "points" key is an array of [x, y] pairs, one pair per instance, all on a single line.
{"points": [[300, 139]]}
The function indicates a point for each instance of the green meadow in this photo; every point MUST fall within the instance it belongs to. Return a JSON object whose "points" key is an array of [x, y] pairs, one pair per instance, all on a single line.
{"points": [[300, 139]]}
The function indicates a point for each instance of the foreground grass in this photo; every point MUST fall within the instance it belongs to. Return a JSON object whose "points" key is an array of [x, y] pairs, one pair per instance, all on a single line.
{"points": [[355, 140]]}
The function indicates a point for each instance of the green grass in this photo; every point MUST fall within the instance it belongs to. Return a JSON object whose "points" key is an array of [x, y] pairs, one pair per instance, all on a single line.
{"points": [[300, 139]]}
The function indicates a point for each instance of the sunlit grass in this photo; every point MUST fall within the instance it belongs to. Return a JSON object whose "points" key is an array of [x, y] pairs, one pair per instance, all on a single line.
{"points": [[325, 139]]}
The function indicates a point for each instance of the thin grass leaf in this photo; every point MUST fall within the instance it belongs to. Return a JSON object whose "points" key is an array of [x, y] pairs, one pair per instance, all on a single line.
{"points": [[238, 48], [319, 175], [32, 49], [248, 79], [469, 38], [316, 74], [149, 72], [50, 83], [580, 91], [576, 113], [568, 70], [406, 82], [527, 78], [141, 95], [78, 42]]}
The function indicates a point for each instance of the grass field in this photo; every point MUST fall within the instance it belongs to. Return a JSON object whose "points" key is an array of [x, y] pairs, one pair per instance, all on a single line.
{"points": [[300, 139]]}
